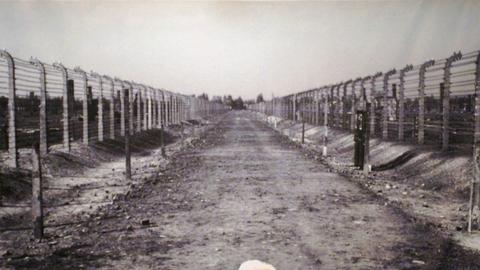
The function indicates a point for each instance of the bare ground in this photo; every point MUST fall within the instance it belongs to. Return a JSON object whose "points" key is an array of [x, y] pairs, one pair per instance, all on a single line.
{"points": [[243, 192]]}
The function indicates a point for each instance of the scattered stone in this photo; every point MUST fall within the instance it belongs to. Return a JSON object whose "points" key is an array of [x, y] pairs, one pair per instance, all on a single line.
{"points": [[129, 228], [419, 262], [145, 222]]}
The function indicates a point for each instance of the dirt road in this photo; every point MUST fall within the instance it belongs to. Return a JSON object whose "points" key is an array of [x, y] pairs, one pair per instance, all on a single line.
{"points": [[243, 193]]}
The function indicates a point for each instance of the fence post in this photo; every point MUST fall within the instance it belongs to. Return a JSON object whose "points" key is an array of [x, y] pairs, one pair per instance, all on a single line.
{"points": [[65, 106], [112, 108], [421, 100], [128, 163], [366, 153], [446, 98], [344, 108], [338, 105], [401, 100], [122, 107], [354, 105], [386, 76], [12, 124], [37, 198], [373, 94], [475, 180], [294, 107], [130, 108], [43, 107], [100, 106], [84, 105], [139, 110], [325, 123]]}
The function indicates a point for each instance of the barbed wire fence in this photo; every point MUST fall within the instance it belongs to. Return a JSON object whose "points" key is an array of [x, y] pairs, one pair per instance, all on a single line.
{"points": [[48, 107], [434, 103]]}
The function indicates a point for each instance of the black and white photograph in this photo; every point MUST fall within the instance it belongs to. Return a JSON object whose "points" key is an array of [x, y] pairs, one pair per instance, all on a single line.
{"points": [[240, 135]]}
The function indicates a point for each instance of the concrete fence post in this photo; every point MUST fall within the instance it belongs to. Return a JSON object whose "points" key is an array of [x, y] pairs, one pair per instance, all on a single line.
{"points": [[66, 106], [475, 180], [12, 123], [421, 100], [294, 110], [353, 117], [43, 107], [325, 122], [111, 111], [401, 100], [338, 106], [373, 94], [344, 108], [386, 77], [84, 104], [128, 162], [139, 110], [446, 99], [122, 107], [100, 106]]}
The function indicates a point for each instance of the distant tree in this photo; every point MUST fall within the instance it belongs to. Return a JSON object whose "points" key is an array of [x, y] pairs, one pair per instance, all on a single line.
{"points": [[260, 98], [238, 104], [203, 96]]}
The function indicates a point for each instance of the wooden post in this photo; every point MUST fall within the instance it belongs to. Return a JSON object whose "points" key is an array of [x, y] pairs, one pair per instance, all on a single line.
{"points": [[325, 124], [128, 163], [37, 198], [446, 99], [401, 100], [475, 180], [386, 76], [421, 100], [43, 108], [12, 124]]}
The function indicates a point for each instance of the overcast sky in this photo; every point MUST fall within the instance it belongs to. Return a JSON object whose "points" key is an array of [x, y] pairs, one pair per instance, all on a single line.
{"points": [[239, 48]]}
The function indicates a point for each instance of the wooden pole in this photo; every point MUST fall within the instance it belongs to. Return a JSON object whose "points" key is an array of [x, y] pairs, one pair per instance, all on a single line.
{"points": [[128, 163], [37, 197], [12, 123]]}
